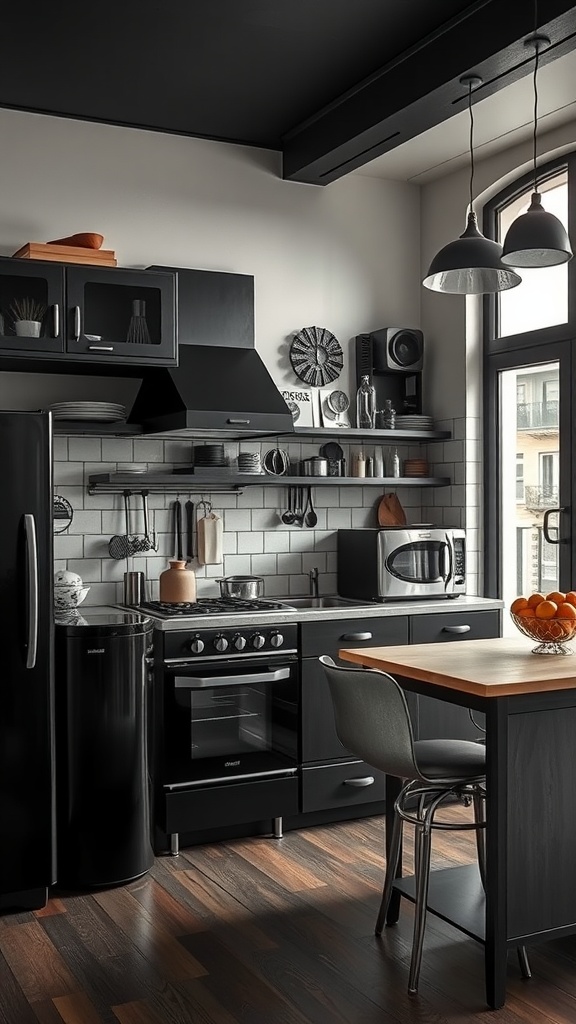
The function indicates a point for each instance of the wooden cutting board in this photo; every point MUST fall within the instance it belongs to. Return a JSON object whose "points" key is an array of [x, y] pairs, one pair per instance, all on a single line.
{"points": [[390, 511]]}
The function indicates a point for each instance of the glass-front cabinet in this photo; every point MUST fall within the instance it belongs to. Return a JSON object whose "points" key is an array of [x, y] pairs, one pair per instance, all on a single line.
{"points": [[55, 312], [31, 307], [121, 314]]}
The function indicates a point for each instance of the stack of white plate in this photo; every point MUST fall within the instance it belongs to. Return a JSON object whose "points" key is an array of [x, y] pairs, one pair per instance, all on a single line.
{"points": [[414, 422], [102, 412]]}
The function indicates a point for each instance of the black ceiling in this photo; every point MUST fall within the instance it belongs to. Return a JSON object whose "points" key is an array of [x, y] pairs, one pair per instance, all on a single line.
{"points": [[329, 83]]}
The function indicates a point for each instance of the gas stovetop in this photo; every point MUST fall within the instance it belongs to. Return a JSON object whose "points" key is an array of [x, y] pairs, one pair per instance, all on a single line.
{"points": [[209, 606]]}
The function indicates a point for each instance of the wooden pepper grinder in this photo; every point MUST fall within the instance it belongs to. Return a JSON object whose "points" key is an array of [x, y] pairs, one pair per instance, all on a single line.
{"points": [[178, 584]]}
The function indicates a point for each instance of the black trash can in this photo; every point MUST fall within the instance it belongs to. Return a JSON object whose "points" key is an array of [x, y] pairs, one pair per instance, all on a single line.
{"points": [[102, 777]]}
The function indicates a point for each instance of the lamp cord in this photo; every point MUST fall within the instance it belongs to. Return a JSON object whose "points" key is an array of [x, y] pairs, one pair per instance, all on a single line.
{"points": [[471, 209], [535, 96]]}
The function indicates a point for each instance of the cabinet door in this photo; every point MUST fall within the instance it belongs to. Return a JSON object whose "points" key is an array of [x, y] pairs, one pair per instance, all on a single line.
{"points": [[31, 297], [319, 740], [124, 316], [437, 719]]}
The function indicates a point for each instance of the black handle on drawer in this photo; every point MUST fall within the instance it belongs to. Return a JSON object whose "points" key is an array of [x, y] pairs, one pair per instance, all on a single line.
{"points": [[368, 780], [456, 629], [356, 636]]}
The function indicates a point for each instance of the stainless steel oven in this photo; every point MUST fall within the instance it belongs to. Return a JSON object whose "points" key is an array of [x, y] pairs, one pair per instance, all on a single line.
{"points": [[397, 563], [226, 748]]}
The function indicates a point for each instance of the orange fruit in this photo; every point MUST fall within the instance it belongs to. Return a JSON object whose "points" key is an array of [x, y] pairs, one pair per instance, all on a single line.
{"points": [[527, 613], [571, 597], [546, 610], [518, 605], [535, 599], [566, 611], [557, 596]]}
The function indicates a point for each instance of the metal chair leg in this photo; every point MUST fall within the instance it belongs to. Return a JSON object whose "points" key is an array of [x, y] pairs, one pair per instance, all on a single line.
{"points": [[423, 838], [479, 802], [391, 867], [523, 961]]}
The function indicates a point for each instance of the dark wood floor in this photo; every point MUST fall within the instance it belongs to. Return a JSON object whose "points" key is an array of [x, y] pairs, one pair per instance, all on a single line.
{"points": [[259, 931]]}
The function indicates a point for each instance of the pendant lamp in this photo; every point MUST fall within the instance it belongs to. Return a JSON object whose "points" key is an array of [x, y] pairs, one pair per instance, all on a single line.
{"points": [[536, 238], [470, 265]]}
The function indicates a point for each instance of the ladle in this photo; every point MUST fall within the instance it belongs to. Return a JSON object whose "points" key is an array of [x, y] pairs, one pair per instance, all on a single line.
{"points": [[310, 517], [288, 516]]}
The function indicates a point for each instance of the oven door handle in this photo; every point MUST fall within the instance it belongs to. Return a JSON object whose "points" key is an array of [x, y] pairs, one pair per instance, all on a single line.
{"points": [[197, 682]]}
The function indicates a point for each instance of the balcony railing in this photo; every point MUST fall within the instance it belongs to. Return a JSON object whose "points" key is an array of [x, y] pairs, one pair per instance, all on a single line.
{"points": [[537, 414], [540, 497]]}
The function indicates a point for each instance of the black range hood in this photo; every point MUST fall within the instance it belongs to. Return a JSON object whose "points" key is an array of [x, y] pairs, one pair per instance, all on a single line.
{"points": [[213, 392], [221, 387]]}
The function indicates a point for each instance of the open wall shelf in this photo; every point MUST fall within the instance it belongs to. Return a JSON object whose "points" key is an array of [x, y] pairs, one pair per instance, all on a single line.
{"points": [[175, 483]]}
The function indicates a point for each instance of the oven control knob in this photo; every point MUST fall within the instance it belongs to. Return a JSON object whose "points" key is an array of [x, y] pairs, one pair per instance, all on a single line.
{"points": [[221, 644], [258, 641], [239, 642], [276, 639], [197, 645]]}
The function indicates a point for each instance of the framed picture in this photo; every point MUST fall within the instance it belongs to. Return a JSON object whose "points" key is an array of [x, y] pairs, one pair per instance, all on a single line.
{"points": [[333, 408], [303, 404]]}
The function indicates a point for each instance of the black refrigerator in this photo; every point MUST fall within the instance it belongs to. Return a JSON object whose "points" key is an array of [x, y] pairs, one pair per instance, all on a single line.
{"points": [[27, 792]]}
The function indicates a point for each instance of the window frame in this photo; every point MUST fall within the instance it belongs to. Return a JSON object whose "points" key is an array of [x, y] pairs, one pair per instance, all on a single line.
{"points": [[546, 344]]}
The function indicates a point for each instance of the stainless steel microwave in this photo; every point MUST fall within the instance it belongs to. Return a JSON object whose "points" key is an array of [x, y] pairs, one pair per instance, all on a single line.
{"points": [[399, 563]]}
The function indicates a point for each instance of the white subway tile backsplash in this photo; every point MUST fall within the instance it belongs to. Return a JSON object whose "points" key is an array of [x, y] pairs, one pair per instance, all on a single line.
{"points": [[238, 565], [85, 449], [90, 569], [277, 541], [60, 449], [252, 543], [68, 547], [86, 522], [266, 519], [148, 450], [264, 565], [339, 518], [117, 449], [67, 473], [237, 519], [255, 538], [288, 565]]}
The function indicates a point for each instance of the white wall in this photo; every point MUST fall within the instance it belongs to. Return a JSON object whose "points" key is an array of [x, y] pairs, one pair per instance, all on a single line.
{"points": [[345, 257]]}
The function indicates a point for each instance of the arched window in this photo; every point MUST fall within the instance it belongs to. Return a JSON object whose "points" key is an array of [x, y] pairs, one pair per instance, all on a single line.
{"points": [[530, 406]]}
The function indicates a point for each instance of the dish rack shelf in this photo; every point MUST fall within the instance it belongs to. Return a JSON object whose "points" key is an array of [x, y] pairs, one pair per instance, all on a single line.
{"points": [[180, 483]]}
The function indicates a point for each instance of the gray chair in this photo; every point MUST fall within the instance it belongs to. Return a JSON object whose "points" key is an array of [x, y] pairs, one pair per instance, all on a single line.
{"points": [[373, 722]]}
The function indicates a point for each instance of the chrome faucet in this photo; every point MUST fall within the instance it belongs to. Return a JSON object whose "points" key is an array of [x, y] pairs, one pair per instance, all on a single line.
{"points": [[313, 577]]}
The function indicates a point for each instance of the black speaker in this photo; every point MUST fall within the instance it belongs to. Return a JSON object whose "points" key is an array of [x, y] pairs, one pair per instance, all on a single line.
{"points": [[399, 349]]}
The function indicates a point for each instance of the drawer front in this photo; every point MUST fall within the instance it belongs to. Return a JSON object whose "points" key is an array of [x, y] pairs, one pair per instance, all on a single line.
{"points": [[341, 785], [327, 637], [431, 629], [235, 804]]}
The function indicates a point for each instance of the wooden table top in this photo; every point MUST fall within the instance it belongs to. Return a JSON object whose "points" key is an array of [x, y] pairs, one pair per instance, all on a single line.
{"points": [[488, 668]]}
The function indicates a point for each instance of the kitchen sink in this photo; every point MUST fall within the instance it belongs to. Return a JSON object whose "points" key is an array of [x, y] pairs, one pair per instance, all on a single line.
{"points": [[321, 602]]}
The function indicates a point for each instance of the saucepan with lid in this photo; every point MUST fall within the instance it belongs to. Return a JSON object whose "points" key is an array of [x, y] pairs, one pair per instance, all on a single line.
{"points": [[246, 588], [315, 466]]}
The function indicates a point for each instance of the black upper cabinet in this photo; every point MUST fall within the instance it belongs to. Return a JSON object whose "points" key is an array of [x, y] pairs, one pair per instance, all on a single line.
{"points": [[82, 314]]}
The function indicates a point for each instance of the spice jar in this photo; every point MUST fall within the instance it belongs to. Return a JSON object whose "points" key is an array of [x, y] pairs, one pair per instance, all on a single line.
{"points": [[177, 584]]}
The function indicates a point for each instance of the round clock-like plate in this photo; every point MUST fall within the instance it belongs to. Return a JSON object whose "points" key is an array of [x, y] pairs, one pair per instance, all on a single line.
{"points": [[316, 356]]}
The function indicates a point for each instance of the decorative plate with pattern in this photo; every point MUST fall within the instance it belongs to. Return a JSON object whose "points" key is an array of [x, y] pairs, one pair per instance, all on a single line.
{"points": [[316, 356]]}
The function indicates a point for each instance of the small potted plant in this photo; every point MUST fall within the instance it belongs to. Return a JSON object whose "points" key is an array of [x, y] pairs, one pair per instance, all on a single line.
{"points": [[27, 314]]}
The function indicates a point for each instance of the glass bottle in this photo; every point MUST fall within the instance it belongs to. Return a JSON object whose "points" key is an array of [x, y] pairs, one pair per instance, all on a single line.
{"points": [[389, 417], [395, 463], [365, 404]]}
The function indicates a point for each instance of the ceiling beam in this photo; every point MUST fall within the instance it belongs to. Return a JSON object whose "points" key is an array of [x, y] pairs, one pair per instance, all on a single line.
{"points": [[421, 88]]}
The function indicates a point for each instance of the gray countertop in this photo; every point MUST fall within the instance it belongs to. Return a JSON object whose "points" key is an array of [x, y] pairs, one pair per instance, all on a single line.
{"points": [[428, 606]]}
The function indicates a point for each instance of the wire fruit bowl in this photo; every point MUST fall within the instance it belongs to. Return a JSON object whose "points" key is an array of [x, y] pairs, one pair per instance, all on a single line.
{"points": [[552, 634]]}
